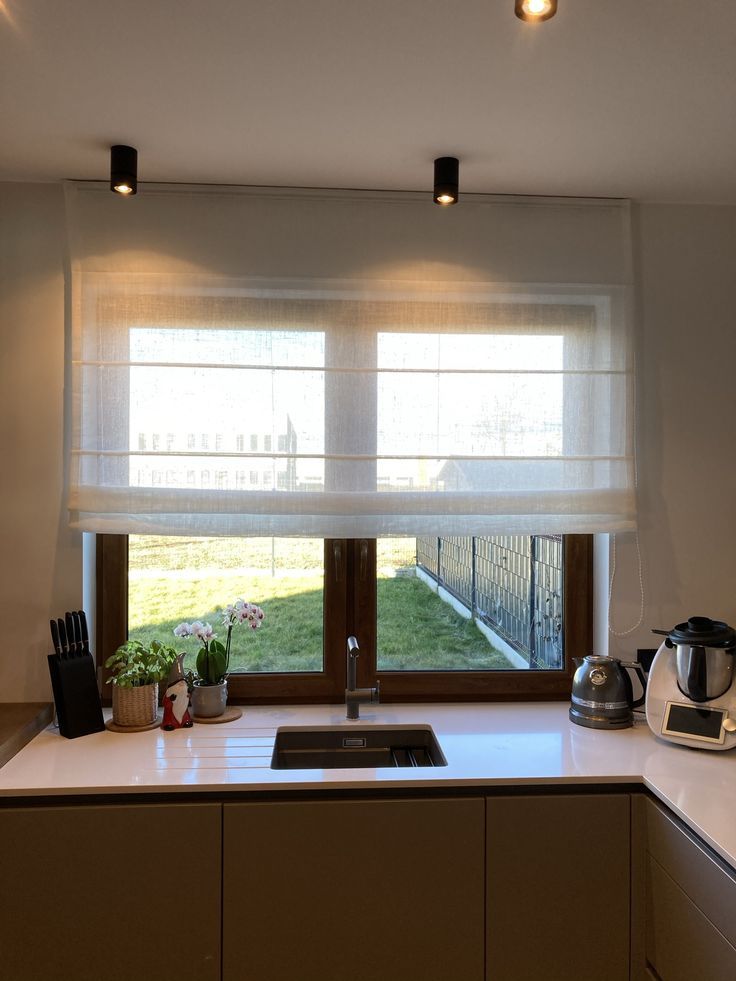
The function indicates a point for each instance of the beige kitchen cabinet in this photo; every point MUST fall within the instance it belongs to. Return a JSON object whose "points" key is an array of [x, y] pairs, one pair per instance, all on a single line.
{"points": [[684, 902], [366, 890], [558, 887], [110, 892]]}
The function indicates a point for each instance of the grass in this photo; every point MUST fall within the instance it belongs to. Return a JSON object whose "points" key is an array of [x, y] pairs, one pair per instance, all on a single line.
{"points": [[416, 629], [419, 631]]}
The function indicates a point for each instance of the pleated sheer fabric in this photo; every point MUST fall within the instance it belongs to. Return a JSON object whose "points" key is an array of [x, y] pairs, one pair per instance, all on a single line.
{"points": [[255, 362]]}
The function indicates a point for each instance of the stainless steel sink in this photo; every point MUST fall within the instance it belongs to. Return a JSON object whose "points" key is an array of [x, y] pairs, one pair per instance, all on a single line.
{"points": [[343, 747]]}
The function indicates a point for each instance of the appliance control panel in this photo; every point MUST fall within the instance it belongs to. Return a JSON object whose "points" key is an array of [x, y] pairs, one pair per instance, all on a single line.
{"points": [[694, 722]]}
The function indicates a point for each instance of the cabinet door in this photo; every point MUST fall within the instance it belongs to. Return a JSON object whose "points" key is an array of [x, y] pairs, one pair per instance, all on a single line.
{"points": [[558, 888], [365, 890], [682, 944], [110, 892], [686, 898]]}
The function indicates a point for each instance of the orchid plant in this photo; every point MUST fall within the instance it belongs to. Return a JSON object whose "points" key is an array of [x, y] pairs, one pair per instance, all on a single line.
{"points": [[213, 657]]}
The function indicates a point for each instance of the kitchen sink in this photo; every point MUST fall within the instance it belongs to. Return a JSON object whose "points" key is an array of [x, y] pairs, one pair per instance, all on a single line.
{"points": [[345, 747]]}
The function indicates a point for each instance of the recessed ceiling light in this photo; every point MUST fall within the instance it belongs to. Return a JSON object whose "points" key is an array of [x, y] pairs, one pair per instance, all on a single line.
{"points": [[535, 10], [446, 180], [123, 169]]}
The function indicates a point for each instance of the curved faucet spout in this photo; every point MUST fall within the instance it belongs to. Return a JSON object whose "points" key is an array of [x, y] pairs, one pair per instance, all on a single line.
{"points": [[354, 695], [352, 664]]}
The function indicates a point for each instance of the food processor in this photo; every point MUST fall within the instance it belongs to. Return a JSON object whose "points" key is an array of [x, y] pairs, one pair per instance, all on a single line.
{"points": [[691, 692]]}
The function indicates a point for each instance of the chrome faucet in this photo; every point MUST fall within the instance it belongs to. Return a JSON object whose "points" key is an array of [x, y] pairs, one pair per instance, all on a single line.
{"points": [[354, 696]]}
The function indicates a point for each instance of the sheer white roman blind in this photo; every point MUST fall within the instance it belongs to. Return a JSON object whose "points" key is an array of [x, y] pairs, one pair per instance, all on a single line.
{"points": [[348, 365]]}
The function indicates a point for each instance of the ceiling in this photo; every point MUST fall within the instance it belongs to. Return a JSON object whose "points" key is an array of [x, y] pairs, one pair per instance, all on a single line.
{"points": [[633, 98]]}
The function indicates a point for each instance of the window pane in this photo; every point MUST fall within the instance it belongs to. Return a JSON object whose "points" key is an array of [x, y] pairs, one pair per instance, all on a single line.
{"points": [[175, 408], [470, 603], [487, 397], [185, 579]]}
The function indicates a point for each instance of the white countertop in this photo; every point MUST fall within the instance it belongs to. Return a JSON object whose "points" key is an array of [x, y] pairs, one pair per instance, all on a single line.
{"points": [[491, 745]]}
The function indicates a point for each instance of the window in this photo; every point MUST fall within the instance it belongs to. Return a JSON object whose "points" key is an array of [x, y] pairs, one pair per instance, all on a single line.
{"points": [[446, 389], [420, 632]]}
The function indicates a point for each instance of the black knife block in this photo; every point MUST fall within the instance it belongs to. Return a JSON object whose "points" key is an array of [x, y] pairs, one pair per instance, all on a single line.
{"points": [[78, 706]]}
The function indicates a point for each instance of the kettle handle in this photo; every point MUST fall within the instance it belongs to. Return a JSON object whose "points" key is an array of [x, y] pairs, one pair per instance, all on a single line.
{"points": [[637, 668]]}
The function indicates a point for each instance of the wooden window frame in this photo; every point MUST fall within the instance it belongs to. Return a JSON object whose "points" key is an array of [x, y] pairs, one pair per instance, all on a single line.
{"points": [[350, 608]]}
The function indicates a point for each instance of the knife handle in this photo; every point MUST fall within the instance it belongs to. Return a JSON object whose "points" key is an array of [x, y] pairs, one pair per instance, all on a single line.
{"points": [[70, 634], [55, 637], [85, 632], [62, 638], [77, 634]]}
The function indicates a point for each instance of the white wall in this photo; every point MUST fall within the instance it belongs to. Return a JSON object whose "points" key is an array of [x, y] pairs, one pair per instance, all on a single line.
{"points": [[40, 559], [684, 260]]}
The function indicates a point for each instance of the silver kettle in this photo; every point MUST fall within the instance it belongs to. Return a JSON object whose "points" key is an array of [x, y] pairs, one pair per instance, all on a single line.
{"points": [[602, 693]]}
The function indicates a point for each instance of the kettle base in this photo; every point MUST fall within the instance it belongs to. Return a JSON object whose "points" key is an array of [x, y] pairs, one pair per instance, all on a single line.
{"points": [[622, 720]]}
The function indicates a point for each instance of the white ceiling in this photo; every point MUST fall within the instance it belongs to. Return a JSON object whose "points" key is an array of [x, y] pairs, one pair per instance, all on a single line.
{"points": [[633, 98]]}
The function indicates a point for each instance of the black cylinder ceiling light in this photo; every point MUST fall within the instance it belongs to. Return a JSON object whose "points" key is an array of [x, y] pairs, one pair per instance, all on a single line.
{"points": [[446, 180], [535, 10], [123, 169]]}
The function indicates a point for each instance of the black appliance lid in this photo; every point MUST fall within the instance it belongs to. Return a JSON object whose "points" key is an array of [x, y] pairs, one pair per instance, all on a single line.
{"points": [[703, 632]]}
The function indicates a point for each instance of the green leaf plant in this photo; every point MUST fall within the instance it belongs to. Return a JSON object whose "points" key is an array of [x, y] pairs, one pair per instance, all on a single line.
{"points": [[135, 664]]}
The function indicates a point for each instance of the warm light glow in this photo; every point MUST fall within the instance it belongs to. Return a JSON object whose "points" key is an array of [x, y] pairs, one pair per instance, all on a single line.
{"points": [[445, 199], [123, 188], [535, 10], [8, 14]]}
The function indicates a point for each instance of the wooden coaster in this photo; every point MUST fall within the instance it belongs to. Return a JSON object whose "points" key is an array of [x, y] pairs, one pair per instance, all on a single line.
{"points": [[231, 713], [114, 727]]}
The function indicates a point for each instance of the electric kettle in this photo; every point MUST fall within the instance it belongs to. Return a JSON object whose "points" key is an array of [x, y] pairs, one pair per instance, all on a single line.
{"points": [[602, 693]]}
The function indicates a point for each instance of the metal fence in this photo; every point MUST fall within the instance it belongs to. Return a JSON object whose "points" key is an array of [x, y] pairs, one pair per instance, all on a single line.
{"points": [[512, 583]]}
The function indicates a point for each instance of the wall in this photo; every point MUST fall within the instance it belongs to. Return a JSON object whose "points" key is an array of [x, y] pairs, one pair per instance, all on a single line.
{"points": [[684, 261], [40, 559], [687, 472]]}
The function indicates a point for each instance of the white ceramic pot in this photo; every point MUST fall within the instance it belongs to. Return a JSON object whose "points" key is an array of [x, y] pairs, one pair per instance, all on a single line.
{"points": [[209, 701]]}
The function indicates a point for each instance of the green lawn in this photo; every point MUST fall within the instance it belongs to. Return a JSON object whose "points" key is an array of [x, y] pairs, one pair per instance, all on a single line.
{"points": [[416, 629]]}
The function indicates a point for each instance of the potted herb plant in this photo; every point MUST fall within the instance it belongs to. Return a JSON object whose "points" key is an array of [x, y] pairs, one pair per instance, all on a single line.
{"points": [[136, 670], [209, 694]]}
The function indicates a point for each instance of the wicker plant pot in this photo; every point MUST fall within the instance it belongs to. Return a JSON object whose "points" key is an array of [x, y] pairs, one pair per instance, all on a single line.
{"points": [[135, 706]]}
